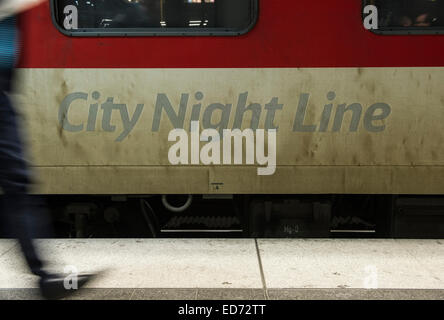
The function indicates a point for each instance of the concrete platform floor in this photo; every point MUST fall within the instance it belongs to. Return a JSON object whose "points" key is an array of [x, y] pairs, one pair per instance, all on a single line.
{"points": [[236, 268]]}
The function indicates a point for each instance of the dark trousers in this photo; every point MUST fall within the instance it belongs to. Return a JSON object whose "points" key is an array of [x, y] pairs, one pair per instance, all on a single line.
{"points": [[19, 218]]}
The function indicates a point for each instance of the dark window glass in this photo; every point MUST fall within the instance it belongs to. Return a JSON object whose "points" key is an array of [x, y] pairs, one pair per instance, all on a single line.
{"points": [[157, 16], [409, 14]]}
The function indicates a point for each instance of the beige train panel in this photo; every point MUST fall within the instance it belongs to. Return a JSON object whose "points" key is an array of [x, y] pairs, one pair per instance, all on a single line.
{"points": [[413, 133], [333, 179], [242, 180], [120, 180]]}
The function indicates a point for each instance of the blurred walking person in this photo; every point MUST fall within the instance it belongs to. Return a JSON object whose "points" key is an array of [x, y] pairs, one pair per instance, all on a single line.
{"points": [[14, 173]]}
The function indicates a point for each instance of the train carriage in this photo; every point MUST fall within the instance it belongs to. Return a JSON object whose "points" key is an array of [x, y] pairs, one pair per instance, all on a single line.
{"points": [[135, 97]]}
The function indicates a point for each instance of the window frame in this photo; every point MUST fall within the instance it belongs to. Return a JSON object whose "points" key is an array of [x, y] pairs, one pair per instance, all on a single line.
{"points": [[391, 31], [157, 32]]}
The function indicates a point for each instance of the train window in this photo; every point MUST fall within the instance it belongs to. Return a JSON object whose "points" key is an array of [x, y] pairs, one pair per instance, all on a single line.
{"points": [[154, 17], [409, 16]]}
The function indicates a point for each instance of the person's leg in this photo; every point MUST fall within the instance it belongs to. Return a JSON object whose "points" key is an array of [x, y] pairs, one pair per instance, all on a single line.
{"points": [[26, 224], [14, 181]]}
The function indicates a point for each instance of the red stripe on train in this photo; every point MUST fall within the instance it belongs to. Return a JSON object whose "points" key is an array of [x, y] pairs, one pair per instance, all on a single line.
{"points": [[289, 33]]}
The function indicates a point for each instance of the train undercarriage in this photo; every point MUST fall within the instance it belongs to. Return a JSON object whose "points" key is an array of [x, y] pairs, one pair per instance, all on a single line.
{"points": [[258, 216]]}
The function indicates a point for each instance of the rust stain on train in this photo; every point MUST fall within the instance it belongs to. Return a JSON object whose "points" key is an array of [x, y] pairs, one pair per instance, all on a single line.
{"points": [[58, 99]]}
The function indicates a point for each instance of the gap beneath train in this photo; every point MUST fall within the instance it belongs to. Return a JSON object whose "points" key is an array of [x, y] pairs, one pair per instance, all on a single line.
{"points": [[259, 216]]}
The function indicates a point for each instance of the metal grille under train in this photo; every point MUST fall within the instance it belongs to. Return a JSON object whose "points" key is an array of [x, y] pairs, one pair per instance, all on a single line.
{"points": [[202, 224]]}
